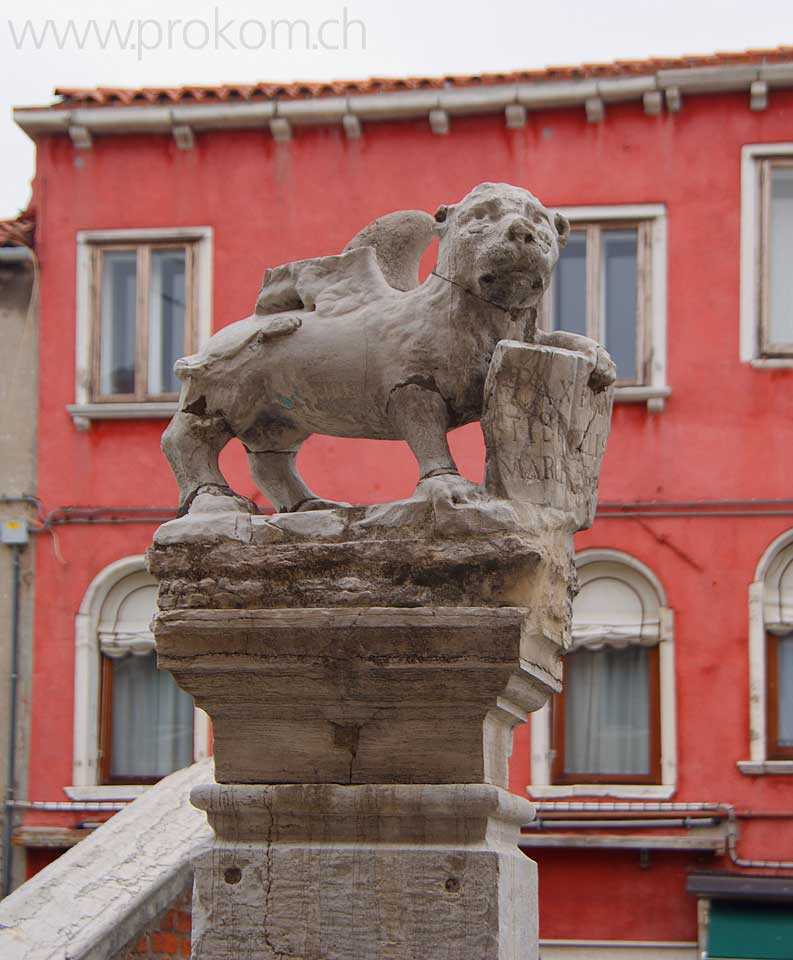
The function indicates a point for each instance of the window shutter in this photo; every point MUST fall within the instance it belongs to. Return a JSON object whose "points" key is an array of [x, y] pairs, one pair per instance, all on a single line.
{"points": [[124, 628], [614, 609]]}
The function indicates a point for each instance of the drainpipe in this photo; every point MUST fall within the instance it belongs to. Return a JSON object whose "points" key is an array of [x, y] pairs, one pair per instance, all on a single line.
{"points": [[12, 721], [639, 806]]}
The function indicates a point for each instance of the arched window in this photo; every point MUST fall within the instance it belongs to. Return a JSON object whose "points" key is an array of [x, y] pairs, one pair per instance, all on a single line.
{"points": [[146, 725], [612, 727], [132, 724], [771, 661]]}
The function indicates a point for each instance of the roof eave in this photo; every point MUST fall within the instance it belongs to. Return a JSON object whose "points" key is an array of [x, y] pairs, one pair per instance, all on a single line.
{"points": [[455, 101]]}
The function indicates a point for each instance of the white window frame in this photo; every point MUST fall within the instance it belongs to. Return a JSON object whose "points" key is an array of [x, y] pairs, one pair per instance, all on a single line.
{"points": [[87, 676], [655, 392], [84, 410], [541, 787], [751, 239], [758, 764]]}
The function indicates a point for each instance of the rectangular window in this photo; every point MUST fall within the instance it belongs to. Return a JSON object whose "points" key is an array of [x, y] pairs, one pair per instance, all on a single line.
{"points": [[779, 701], [143, 319], [776, 255], [607, 720], [602, 289]]}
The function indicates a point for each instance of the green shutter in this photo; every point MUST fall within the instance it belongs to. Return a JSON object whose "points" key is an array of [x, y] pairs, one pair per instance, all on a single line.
{"points": [[747, 930]]}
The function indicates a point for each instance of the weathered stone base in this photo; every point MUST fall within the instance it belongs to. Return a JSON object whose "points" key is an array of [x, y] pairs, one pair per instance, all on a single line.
{"points": [[329, 872], [378, 695]]}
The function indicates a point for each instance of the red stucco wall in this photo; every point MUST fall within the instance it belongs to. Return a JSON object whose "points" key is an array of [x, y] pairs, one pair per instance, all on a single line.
{"points": [[727, 430]]}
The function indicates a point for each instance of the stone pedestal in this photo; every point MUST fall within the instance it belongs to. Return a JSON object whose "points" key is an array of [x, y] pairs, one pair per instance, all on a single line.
{"points": [[371, 872], [364, 668], [377, 695]]}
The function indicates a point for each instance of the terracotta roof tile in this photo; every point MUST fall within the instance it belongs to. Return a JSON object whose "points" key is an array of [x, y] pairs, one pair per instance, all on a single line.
{"points": [[18, 232], [252, 92]]}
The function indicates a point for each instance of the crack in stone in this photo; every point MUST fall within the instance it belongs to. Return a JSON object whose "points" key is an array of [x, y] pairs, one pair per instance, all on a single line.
{"points": [[592, 419], [268, 884]]}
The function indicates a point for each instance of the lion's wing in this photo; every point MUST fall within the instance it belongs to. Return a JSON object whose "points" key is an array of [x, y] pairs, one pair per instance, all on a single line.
{"points": [[399, 240], [329, 285]]}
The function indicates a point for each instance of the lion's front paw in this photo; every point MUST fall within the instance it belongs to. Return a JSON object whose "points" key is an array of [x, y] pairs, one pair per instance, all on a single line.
{"points": [[449, 488], [605, 372], [317, 503], [214, 498]]}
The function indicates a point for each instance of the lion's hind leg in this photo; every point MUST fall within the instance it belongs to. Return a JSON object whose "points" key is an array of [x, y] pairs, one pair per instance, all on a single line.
{"points": [[276, 475]]}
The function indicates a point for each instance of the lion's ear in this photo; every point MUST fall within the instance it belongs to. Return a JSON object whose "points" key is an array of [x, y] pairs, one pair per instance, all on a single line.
{"points": [[441, 213], [562, 225]]}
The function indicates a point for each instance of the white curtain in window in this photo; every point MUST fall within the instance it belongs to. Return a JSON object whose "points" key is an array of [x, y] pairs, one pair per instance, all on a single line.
{"points": [[607, 711], [151, 720]]}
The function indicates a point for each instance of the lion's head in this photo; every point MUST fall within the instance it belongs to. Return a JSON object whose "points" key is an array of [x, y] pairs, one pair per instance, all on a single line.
{"points": [[500, 242]]}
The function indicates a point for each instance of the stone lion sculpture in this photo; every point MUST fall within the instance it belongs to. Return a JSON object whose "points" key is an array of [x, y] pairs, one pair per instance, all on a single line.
{"points": [[354, 346]]}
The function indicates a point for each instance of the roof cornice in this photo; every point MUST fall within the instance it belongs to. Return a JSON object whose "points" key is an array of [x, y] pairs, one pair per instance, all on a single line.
{"points": [[663, 88]]}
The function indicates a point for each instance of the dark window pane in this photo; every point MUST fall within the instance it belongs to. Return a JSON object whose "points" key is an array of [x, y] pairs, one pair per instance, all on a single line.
{"points": [[607, 712], [785, 690], [619, 293], [151, 720], [166, 318], [569, 287], [780, 267], [117, 356]]}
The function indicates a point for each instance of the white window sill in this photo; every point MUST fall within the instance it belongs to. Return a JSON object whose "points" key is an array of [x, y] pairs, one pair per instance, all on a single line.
{"points": [[112, 791], [772, 363], [611, 949], [654, 397], [627, 791], [83, 413], [757, 768]]}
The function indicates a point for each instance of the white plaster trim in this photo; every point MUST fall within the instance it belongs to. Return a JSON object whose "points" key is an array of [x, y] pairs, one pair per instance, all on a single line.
{"points": [[606, 555], [757, 678], [777, 545], [624, 791], [750, 240], [656, 391], [86, 239], [201, 731], [641, 394], [757, 671], [624, 949], [86, 680], [99, 792], [654, 944], [619, 211], [771, 363], [541, 760], [703, 922], [666, 669], [751, 768], [147, 410]]}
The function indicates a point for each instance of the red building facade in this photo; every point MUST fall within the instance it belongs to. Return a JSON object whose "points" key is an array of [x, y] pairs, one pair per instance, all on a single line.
{"points": [[675, 177]]}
